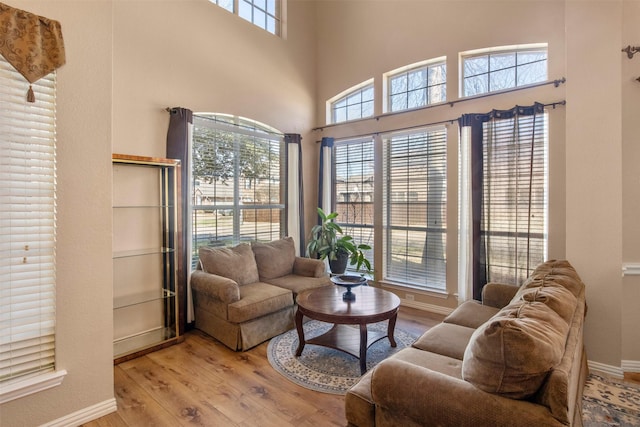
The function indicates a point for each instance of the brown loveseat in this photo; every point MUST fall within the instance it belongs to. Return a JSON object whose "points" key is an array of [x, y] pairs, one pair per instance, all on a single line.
{"points": [[517, 359], [245, 295]]}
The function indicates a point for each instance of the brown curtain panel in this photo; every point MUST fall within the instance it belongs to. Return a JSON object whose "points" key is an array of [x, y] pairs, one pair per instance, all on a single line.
{"points": [[31, 43]]}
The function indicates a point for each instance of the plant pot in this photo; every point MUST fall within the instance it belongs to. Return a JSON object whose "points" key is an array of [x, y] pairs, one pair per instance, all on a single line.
{"points": [[339, 265]]}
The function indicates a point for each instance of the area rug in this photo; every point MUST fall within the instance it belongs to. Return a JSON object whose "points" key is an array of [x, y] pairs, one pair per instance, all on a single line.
{"points": [[609, 402], [325, 369]]}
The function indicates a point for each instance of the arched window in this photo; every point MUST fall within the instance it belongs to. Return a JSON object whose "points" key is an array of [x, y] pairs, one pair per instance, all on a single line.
{"points": [[495, 69], [238, 183], [416, 85], [353, 104]]}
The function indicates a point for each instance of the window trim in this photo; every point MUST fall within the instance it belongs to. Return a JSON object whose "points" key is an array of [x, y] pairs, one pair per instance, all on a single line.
{"points": [[518, 48], [386, 95]]}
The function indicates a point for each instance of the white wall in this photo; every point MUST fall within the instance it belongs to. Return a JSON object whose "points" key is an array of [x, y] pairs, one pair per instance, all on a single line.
{"points": [[84, 286]]}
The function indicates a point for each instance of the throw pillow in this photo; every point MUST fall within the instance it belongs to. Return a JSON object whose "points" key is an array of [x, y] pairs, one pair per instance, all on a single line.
{"points": [[557, 297], [237, 263], [274, 259], [513, 352]]}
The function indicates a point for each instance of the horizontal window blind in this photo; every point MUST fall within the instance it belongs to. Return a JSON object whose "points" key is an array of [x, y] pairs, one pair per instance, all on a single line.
{"points": [[415, 200], [27, 225], [353, 191], [514, 208]]}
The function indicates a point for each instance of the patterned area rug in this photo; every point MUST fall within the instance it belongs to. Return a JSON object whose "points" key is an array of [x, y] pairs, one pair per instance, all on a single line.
{"points": [[325, 369], [609, 402]]}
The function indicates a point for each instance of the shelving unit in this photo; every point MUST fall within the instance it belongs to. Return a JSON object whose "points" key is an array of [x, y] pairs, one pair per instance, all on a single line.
{"points": [[145, 217]]}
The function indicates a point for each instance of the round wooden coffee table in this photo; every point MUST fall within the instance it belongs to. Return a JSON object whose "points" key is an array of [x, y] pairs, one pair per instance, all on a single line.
{"points": [[325, 304]]}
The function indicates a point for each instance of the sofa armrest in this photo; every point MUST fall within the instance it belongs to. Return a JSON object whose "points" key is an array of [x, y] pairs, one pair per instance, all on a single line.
{"points": [[498, 295], [431, 398], [309, 267], [218, 287]]}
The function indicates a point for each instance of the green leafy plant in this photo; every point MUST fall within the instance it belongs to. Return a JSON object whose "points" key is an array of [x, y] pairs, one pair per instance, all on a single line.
{"points": [[327, 241]]}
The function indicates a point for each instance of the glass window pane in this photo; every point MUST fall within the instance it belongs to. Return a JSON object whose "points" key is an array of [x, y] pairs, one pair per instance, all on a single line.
{"points": [[398, 84], [476, 85], [399, 102], [355, 98], [475, 65], [226, 4], [367, 94], [260, 19], [532, 73], [245, 11], [271, 25], [354, 111], [437, 74], [417, 79], [367, 109], [531, 56], [502, 61], [271, 7], [339, 115], [437, 94], [503, 79], [262, 4], [417, 98]]}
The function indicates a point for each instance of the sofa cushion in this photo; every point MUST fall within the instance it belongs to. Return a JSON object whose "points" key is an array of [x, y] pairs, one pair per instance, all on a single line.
{"points": [[259, 299], [513, 352], [559, 272], [274, 259], [557, 297], [235, 263], [471, 314], [446, 339], [297, 284]]}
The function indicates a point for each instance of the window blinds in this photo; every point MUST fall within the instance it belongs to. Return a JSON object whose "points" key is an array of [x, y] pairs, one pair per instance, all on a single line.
{"points": [[415, 174], [514, 199], [354, 190], [27, 225]]}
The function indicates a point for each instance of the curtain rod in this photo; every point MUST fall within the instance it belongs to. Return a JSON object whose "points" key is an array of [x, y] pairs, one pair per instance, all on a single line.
{"points": [[556, 83], [449, 121]]}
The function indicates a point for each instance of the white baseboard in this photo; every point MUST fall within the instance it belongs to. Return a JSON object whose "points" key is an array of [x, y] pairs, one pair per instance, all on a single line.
{"points": [[632, 366], [614, 371], [85, 415], [426, 307]]}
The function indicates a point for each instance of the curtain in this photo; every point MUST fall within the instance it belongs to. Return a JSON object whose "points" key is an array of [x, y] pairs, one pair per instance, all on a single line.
{"points": [[325, 181], [503, 197], [295, 199], [179, 137], [31, 43]]}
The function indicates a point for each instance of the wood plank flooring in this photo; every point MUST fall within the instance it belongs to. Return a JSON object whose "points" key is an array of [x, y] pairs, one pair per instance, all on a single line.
{"points": [[200, 382]]}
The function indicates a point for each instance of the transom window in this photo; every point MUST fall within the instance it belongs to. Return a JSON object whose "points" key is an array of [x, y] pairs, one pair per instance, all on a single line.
{"points": [[238, 182], [417, 86], [266, 14], [497, 70], [355, 104]]}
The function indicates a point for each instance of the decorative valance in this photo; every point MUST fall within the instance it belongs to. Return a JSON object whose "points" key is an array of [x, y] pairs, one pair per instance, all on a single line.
{"points": [[31, 43]]}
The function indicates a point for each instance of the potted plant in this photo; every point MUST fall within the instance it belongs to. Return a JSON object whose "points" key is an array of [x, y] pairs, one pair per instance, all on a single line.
{"points": [[327, 241]]}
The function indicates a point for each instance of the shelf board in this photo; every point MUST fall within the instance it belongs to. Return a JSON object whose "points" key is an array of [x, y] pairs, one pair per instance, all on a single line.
{"points": [[142, 297], [141, 252], [142, 341]]}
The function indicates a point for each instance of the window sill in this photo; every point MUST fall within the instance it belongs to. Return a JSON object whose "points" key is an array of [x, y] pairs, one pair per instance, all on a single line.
{"points": [[34, 384], [436, 293]]}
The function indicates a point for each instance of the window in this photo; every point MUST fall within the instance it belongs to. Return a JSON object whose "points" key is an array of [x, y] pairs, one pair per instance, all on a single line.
{"points": [[28, 224], [418, 86], [514, 198], [356, 104], [353, 190], [237, 182], [415, 202], [503, 69], [266, 14]]}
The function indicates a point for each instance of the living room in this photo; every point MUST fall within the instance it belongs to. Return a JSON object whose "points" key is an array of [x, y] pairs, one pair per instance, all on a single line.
{"points": [[127, 61]]}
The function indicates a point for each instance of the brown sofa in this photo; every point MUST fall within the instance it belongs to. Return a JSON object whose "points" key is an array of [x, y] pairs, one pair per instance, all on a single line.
{"points": [[245, 295], [516, 359]]}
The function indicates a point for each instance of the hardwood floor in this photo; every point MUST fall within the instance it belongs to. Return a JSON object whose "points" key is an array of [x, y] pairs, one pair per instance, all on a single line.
{"points": [[200, 382]]}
